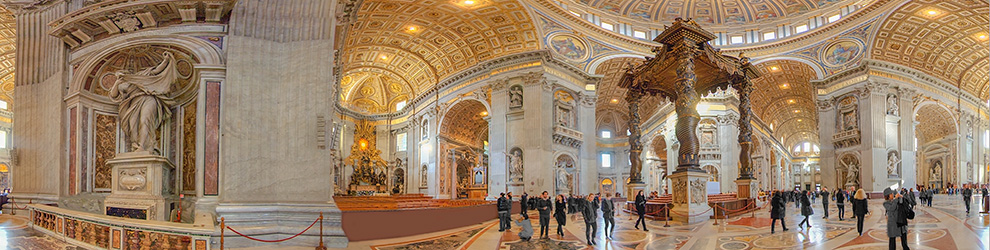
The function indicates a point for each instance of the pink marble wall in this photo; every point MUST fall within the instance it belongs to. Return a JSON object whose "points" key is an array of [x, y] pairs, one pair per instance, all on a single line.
{"points": [[72, 151], [212, 140]]}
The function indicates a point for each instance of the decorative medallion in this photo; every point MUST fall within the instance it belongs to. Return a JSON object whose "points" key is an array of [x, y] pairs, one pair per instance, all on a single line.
{"points": [[841, 52], [569, 47]]}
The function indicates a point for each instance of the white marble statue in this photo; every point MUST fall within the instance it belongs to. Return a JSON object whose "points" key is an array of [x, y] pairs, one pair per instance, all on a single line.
{"points": [[892, 105], [852, 176], [937, 171], [892, 162], [562, 181], [515, 97], [516, 165], [143, 101]]}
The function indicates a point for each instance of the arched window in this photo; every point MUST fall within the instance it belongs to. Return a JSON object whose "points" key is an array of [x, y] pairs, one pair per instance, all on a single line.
{"points": [[712, 172]]}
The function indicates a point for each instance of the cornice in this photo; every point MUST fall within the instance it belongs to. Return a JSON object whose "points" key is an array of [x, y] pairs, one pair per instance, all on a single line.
{"points": [[872, 68]]}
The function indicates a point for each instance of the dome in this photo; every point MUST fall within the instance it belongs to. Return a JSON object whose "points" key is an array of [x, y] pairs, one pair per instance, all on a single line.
{"points": [[714, 13]]}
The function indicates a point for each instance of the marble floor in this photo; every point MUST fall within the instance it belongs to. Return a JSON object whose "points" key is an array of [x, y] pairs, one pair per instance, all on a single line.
{"points": [[945, 225]]}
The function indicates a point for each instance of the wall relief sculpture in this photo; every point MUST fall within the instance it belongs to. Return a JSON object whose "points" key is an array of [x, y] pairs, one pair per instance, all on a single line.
{"points": [[515, 97], [143, 100], [698, 189], [680, 197], [515, 165], [133, 179], [424, 177]]}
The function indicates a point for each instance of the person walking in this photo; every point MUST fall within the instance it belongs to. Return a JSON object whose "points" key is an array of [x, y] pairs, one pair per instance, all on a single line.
{"points": [[524, 205], [860, 209], [777, 210], [824, 193], [840, 202], [590, 219], [527, 228], [544, 206], [641, 209], [608, 215], [560, 213], [931, 196], [806, 210], [967, 195], [503, 212], [896, 226]]}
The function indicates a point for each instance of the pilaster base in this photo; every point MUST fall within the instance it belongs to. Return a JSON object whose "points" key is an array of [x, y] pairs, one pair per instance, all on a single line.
{"points": [[746, 188], [690, 197], [516, 188]]}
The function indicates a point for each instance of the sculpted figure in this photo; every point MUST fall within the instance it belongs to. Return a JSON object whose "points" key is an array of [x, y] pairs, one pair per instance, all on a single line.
{"points": [[892, 105], [892, 164], [516, 163], [562, 180], [515, 97], [143, 100], [852, 176]]}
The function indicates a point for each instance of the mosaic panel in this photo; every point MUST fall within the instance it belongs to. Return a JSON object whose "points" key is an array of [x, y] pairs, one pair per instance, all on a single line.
{"points": [[45, 220], [105, 148], [93, 234], [189, 147], [143, 240]]}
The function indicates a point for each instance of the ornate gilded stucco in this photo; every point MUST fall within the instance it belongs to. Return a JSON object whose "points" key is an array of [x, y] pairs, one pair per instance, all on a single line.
{"points": [[942, 39], [785, 99], [100, 78], [105, 149], [373, 93], [934, 123], [465, 123], [7, 52], [710, 12], [422, 42], [611, 107]]}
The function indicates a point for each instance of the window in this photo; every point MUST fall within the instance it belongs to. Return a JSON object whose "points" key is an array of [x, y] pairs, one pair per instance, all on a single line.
{"points": [[606, 134], [986, 139], [797, 149], [736, 40], [3, 139], [606, 160], [3, 105], [400, 142], [400, 105], [639, 34], [834, 18], [628, 133], [801, 28], [575, 14], [608, 26], [769, 36], [807, 147]]}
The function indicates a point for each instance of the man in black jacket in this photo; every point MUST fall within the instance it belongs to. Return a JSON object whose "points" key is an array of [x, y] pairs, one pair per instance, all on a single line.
{"points": [[524, 205], [840, 202], [590, 219], [543, 205], [967, 194], [503, 213], [824, 193], [641, 210], [608, 215]]}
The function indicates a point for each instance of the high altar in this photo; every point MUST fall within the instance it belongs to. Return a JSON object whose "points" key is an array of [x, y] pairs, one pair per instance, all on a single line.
{"points": [[683, 67]]}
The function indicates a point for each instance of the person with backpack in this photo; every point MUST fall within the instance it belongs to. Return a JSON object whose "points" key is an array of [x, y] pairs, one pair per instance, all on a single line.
{"points": [[502, 205], [840, 202], [896, 218], [806, 210], [778, 206], [524, 205]]}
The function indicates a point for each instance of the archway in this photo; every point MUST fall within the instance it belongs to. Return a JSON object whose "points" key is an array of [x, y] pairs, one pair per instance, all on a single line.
{"points": [[934, 143], [607, 186], [659, 165], [463, 146]]}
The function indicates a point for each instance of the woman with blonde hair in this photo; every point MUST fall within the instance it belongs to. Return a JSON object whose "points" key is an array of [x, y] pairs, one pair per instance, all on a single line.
{"points": [[860, 209]]}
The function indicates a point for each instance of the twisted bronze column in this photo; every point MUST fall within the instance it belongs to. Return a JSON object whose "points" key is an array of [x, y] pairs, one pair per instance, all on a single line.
{"points": [[745, 130], [686, 106], [633, 96]]}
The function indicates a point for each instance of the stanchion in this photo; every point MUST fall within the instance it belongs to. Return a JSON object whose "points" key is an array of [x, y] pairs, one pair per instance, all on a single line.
{"points": [[715, 205], [222, 227], [986, 205], [666, 221], [321, 247]]}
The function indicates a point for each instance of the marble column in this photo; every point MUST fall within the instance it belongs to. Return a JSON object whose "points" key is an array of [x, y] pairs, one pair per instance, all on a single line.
{"points": [[909, 163], [498, 171], [827, 156], [873, 149]]}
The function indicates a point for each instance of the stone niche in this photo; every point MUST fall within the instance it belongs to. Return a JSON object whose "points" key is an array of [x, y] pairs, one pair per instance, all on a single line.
{"points": [[141, 187]]}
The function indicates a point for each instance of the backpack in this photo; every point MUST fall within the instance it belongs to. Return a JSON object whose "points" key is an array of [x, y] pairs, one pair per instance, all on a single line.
{"points": [[906, 214]]}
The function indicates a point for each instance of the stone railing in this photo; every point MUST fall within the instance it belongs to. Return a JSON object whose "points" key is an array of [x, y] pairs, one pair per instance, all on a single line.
{"points": [[846, 138], [567, 137], [95, 231]]}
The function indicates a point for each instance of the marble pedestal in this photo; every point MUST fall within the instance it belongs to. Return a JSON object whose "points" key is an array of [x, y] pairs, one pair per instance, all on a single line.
{"points": [[633, 188], [746, 188], [690, 197], [140, 187], [516, 188]]}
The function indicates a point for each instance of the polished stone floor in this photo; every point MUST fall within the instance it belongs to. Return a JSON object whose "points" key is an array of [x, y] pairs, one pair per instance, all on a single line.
{"points": [[945, 225]]}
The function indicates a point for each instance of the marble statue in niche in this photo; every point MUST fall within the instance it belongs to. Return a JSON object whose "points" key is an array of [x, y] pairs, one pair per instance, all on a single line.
{"points": [[848, 113], [969, 171], [892, 108], [515, 96], [563, 117], [424, 130], [423, 176], [892, 163], [562, 185], [937, 171], [143, 100], [515, 165], [852, 171]]}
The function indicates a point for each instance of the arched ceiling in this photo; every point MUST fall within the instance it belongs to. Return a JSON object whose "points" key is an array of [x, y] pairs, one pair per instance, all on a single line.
{"points": [[7, 51], [712, 12], [374, 92], [465, 123], [945, 39], [611, 104], [784, 97], [934, 122], [423, 42]]}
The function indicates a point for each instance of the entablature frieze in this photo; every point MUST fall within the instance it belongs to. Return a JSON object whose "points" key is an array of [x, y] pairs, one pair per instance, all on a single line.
{"points": [[881, 75]]}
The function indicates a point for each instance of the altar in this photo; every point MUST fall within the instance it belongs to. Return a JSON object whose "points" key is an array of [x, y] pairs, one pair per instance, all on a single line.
{"points": [[369, 175]]}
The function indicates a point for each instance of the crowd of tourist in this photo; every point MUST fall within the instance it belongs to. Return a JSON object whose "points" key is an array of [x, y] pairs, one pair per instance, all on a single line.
{"points": [[898, 205]]}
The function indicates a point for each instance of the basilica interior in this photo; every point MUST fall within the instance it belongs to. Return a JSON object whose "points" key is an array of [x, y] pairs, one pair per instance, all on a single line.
{"points": [[399, 124]]}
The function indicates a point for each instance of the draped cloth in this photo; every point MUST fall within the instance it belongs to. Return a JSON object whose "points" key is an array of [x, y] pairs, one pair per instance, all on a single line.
{"points": [[143, 100]]}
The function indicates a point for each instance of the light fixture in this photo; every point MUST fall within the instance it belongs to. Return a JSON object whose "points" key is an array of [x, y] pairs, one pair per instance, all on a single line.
{"points": [[468, 2], [774, 68], [791, 101], [932, 12], [384, 57], [484, 113], [982, 36], [799, 120], [797, 111], [615, 100], [785, 86], [411, 28]]}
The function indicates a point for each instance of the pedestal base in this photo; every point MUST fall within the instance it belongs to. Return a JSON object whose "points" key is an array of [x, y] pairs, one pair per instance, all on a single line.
{"points": [[141, 187], [633, 188], [516, 188], [690, 197], [747, 188]]}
